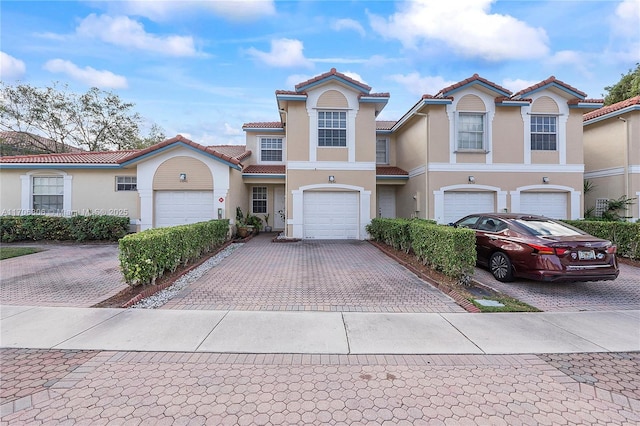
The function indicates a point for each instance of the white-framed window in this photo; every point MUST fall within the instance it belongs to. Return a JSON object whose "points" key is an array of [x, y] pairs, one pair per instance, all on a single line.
{"points": [[332, 128], [259, 199], [126, 183], [544, 133], [48, 194], [471, 131], [382, 151], [271, 149]]}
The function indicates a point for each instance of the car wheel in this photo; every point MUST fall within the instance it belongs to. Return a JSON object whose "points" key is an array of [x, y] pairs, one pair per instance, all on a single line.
{"points": [[500, 267]]}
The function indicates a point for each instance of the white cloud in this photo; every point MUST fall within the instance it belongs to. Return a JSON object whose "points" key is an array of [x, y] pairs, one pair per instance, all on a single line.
{"points": [[229, 130], [466, 26], [348, 24], [354, 76], [516, 85], [284, 53], [125, 32], [233, 10], [87, 75], [294, 79], [11, 68], [627, 18], [418, 85]]}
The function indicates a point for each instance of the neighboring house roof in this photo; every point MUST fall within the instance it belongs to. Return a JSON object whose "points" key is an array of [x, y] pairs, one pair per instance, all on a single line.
{"points": [[551, 81], [102, 157], [232, 154], [474, 79], [25, 140], [263, 125], [385, 124], [631, 104]]}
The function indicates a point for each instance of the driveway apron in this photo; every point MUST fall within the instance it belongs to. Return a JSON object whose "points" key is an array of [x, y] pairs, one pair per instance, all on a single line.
{"points": [[330, 275]]}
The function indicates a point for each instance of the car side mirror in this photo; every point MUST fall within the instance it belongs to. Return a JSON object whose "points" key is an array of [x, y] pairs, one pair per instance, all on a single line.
{"points": [[453, 224]]}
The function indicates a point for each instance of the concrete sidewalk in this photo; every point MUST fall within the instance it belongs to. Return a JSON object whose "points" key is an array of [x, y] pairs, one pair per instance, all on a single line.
{"points": [[317, 332]]}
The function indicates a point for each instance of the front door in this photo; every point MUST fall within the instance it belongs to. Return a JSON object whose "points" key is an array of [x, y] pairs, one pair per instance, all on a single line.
{"points": [[278, 206]]}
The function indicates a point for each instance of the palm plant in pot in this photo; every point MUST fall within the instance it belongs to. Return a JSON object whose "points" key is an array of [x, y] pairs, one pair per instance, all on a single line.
{"points": [[243, 229]]}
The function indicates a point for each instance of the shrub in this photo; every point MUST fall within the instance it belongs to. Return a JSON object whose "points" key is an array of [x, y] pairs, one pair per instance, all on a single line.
{"points": [[147, 255], [58, 228], [625, 235]]}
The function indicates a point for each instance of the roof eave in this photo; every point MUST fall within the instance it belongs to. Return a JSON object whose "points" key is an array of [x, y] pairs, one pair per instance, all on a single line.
{"points": [[175, 145]]}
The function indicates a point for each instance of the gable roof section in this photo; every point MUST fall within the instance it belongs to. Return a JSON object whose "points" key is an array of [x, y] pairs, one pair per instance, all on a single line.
{"points": [[261, 169], [613, 110], [391, 172], [333, 74], [266, 126], [471, 81], [180, 140], [549, 83]]}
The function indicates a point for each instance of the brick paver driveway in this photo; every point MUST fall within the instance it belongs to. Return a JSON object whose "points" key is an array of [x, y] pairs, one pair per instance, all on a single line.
{"points": [[623, 293], [79, 275], [343, 276]]}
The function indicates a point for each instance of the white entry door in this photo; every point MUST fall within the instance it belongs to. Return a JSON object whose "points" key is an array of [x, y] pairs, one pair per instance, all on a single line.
{"points": [[183, 207], [331, 215], [278, 206], [386, 201]]}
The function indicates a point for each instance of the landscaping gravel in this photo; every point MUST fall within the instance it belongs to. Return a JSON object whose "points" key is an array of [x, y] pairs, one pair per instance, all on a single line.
{"points": [[163, 296]]}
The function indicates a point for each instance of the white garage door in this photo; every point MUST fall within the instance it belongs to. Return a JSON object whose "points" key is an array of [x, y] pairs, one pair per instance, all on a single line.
{"points": [[459, 204], [331, 215], [182, 207], [550, 204]]}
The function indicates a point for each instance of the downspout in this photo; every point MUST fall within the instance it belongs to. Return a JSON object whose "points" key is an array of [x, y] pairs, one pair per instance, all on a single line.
{"points": [[286, 174], [627, 175], [427, 195]]}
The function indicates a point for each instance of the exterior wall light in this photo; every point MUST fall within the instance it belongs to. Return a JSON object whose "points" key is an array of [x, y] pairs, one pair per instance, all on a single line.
{"points": [[183, 177], [545, 179], [332, 179], [472, 179]]}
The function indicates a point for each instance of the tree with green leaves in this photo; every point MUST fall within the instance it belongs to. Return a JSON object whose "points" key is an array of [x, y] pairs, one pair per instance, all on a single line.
{"points": [[96, 120], [627, 87]]}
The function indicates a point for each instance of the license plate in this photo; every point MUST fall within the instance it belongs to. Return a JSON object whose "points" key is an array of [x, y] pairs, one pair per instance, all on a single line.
{"points": [[586, 255]]}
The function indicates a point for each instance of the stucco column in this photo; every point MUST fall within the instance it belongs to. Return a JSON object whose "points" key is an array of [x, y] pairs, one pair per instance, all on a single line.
{"points": [[146, 208], [25, 193]]}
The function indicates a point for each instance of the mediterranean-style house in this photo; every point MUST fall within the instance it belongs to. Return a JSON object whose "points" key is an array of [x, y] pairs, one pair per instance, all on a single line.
{"points": [[612, 155], [328, 166]]}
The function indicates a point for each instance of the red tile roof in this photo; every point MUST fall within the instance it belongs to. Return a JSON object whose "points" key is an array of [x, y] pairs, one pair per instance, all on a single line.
{"points": [[182, 139], [102, 157], [263, 125], [471, 79], [548, 81], [239, 152], [385, 124], [330, 73], [612, 108], [390, 171], [265, 169]]}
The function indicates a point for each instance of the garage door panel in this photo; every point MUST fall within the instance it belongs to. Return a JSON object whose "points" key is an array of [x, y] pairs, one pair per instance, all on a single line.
{"points": [[183, 207], [331, 215], [460, 204], [550, 204]]}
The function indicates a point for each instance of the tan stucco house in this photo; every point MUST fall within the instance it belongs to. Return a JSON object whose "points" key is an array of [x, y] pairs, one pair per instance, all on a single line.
{"points": [[612, 155], [327, 166]]}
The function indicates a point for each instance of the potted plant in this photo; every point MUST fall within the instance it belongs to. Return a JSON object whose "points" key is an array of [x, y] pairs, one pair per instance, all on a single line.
{"points": [[254, 222], [267, 228], [243, 228]]}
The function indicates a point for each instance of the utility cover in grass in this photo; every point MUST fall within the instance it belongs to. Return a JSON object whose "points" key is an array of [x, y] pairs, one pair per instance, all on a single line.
{"points": [[486, 302]]}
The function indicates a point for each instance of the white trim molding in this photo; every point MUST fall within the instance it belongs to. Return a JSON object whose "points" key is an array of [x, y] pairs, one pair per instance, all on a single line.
{"points": [[297, 221], [26, 189], [417, 171], [504, 167], [331, 165], [614, 171]]}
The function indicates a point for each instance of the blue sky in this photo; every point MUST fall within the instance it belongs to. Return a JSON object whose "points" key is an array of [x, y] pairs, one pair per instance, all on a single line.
{"points": [[203, 68]]}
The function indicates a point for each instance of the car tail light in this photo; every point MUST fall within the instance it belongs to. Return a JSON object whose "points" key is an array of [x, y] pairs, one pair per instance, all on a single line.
{"points": [[612, 249], [538, 249]]}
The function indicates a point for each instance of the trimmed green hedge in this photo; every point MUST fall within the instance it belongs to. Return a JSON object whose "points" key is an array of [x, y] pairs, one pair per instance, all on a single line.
{"points": [[449, 250], [59, 228], [625, 235], [147, 255]]}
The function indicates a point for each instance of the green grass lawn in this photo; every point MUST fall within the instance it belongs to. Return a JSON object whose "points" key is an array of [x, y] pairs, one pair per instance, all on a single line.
{"points": [[8, 252], [510, 304]]}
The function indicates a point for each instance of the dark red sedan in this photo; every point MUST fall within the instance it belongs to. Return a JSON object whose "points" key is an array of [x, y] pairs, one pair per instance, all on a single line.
{"points": [[539, 248]]}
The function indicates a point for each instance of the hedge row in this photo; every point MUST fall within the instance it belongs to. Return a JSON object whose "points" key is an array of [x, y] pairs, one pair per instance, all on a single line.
{"points": [[625, 235], [449, 250], [147, 255], [59, 228]]}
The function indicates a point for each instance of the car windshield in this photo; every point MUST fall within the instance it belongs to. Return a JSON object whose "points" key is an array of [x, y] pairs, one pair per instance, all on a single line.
{"points": [[548, 228]]}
